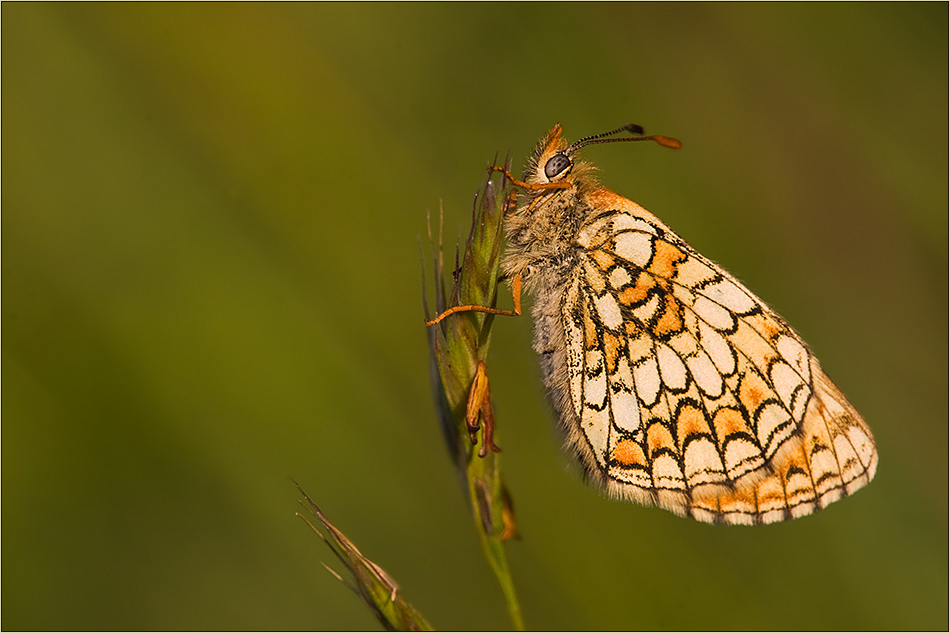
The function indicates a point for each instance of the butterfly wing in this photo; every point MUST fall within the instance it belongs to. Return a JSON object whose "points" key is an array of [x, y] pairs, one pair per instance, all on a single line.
{"points": [[687, 391]]}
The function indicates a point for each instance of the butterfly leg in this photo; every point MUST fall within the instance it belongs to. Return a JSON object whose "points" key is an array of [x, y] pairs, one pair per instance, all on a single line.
{"points": [[515, 295], [511, 202], [479, 403]]}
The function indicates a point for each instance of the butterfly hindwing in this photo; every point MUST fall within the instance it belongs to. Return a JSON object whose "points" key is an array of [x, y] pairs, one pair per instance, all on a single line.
{"points": [[690, 392]]}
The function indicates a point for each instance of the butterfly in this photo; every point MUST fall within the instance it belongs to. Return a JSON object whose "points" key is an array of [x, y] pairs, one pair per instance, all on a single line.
{"points": [[674, 384]]}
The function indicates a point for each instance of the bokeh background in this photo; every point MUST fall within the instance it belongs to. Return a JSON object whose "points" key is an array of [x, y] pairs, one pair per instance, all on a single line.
{"points": [[211, 228]]}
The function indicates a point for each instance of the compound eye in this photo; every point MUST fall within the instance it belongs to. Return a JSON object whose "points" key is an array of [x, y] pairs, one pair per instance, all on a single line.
{"points": [[557, 165]]}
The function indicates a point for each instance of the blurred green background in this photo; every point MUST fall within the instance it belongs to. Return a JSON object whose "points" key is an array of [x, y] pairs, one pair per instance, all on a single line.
{"points": [[211, 283]]}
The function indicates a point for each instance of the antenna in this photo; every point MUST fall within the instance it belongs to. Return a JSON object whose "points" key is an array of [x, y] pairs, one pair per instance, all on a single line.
{"points": [[633, 128]]}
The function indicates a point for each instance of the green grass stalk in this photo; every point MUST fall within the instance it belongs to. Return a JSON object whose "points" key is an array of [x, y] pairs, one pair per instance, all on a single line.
{"points": [[457, 344]]}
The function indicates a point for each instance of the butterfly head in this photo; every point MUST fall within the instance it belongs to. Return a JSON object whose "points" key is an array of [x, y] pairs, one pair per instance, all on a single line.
{"points": [[553, 160]]}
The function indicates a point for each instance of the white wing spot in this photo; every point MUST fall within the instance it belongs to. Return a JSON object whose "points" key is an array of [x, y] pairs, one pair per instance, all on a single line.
{"points": [[667, 473], [595, 418], [596, 425], [623, 401], [742, 456], [713, 314], [595, 389], [628, 222], [609, 311], [645, 312], [693, 271], [619, 277], [672, 368], [823, 463], [786, 380], [728, 294], [770, 418], [635, 247], [705, 374], [646, 377], [718, 349], [702, 463]]}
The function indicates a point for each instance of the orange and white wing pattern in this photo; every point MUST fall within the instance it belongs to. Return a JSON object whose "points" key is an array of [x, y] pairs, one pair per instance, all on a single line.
{"points": [[691, 393]]}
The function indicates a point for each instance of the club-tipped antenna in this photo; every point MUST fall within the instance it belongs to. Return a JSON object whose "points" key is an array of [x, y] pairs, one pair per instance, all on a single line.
{"points": [[633, 128]]}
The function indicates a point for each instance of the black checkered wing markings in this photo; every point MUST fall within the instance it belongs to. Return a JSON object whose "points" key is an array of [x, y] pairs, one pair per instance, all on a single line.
{"points": [[614, 344], [588, 404], [772, 395], [664, 301], [701, 459], [688, 437], [765, 353], [572, 314], [667, 457], [602, 382], [727, 308], [841, 445], [704, 336], [856, 455], [725, 303], [817, 455], [597, 376], [808, 471], [695, 447], [770, 389], [609, 408], [811, 472]]}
